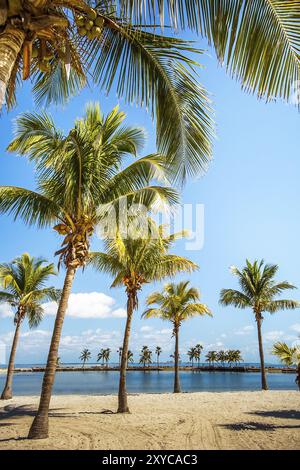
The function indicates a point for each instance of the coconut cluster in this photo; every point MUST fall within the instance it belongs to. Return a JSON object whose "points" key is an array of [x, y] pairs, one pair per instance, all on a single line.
{"points": [[44, 56], [90, 25]]}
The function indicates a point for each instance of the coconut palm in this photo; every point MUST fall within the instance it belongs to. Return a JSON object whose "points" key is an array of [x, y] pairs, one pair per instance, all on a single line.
{"points": [[289, 356], [85, 356], [107, 355], [101, 356], [177, 303], [222, 357], [192, 355], [145, 356], [61, 45], [120, 355], [198, 350], [158, 352], [134, 262], [129, 356], [258, 292], [24, 281], [212, 357], [77, 175], [235, 356]]}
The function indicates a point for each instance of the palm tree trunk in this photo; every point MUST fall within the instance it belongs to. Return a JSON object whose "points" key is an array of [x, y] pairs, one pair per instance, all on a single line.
{"points": [[40, 424], [122, 396], [264, 385], [176, 379], [298, 377], [11, 42], [7, 391]]}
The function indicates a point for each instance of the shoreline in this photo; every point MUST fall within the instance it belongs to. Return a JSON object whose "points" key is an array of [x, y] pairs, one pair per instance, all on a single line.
{"points": [[201, 420], [241, 369]]}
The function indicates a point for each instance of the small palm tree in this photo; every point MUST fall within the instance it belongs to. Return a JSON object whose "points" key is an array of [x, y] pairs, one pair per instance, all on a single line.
{"points": [[120, 354], [192, 355], [177, 303], [212, 357], [85, 356], [158, 352], [24, 282], [134, 262], [258, 292], [107, 355], [77, 175], [222, 357], [130, 356], [198, 350], [289, 356], [145, 356], [101, 356]]}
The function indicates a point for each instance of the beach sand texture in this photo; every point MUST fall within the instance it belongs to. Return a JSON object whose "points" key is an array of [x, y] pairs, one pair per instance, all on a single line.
{"points": [[229, 420]]}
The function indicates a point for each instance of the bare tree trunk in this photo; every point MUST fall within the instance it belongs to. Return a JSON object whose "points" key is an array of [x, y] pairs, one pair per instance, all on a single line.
{"points": [[176, 379], [40, 424], [122, 396], [264, 385], [11, 42], [7, 391], [298, 377]]}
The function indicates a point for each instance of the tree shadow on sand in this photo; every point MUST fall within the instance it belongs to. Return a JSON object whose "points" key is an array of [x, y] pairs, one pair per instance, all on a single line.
{"points": [[257, 426], [284, 414]]}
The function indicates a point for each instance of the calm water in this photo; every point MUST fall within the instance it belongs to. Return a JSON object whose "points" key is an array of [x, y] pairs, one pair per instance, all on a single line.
{"points": [[89, 382]]}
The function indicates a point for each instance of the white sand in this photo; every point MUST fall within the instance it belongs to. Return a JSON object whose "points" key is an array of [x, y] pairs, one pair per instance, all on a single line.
{"points": [[232, 420]]}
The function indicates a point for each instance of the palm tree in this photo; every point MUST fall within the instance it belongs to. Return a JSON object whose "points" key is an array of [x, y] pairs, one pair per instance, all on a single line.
{"points": [[107, 355], [120, 354], [77, 175], [158, 352], [258, 292], [235, 356], [289, 356], [129, 356], [59, 43], [192, 354], [85, 356], [212, 357], [145, 356], [24, 282], [177, 303], [133, 262], [101, 356], [198, 350], [221, 357], [62, 44]]}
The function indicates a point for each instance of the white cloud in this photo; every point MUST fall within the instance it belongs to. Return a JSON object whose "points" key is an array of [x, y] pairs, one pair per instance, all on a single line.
{"points": [[273, 335], [5, 310], [245, 331], [296, 327], [88, 305], [146, 328]]}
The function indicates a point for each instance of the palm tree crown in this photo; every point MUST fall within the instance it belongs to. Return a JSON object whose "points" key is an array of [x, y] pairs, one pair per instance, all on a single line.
{"points": [[258, 289], [24, 282], [177, 303]]}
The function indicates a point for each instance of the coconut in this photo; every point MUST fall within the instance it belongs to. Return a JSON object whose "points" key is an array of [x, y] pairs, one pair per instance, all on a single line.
{"points": [[96, 31], [82, 31], [99, 21], [90, 35], [35, 52], [80, 20], [92, 15], [88, 24], [45, 67]]}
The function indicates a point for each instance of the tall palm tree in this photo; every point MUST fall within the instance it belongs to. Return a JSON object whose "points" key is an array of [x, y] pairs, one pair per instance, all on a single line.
{"points": [[77, 175], [258, 292], [145, 356], [289, 356], [222, 356], [134, 262], [85, 356], [24, 282], [177, 303], [158, 352], [62, 44], [59, 43]]}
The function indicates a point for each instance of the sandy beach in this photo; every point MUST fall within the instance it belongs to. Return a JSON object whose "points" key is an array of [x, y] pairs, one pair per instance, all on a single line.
{"points": [[229, 420]]}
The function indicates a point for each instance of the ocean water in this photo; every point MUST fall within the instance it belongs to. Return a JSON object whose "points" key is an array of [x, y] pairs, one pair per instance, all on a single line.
{"points": [[106, 382]]}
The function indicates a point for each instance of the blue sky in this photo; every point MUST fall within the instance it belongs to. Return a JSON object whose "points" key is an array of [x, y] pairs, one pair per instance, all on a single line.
{"points": [[252, 207]]}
